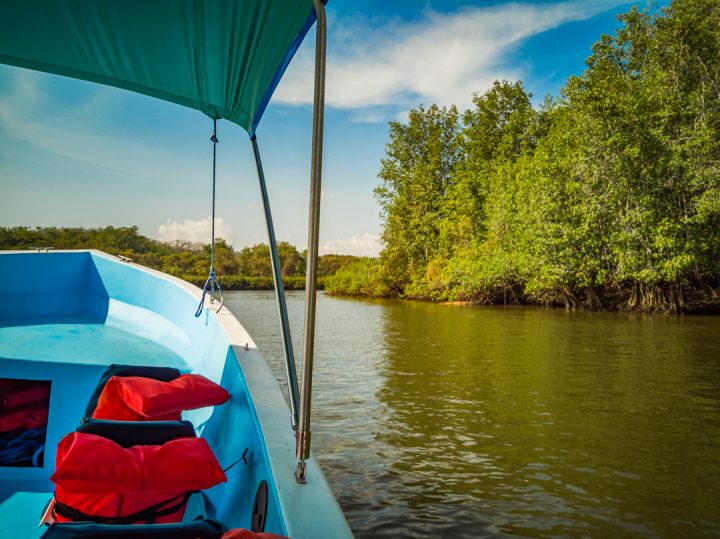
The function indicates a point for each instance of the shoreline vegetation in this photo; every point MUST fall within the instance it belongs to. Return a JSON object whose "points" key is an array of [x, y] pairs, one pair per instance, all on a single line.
{"points": [[651, 300], [246, 269], [606, 197]]}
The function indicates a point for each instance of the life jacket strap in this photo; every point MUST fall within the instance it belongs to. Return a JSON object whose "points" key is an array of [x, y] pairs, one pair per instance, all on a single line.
{"points": [[147, 515]]}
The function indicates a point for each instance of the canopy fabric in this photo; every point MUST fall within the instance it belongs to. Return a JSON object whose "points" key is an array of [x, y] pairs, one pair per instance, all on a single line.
{"points": [[222, 57]]}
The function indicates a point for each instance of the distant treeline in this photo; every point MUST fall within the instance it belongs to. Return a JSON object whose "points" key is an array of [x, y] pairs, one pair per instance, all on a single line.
{"points": [[246, 269], [606, 196]]}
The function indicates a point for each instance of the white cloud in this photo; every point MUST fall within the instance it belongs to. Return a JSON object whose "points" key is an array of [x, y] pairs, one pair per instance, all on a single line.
{"points": [[442, 59], [195, 230], [359, 245]]}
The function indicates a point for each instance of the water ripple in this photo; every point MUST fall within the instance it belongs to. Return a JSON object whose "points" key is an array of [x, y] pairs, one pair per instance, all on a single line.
{"points": [[447, 421]]}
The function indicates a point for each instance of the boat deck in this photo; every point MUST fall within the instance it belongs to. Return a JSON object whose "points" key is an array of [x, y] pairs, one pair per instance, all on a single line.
{"points": [[80, 340], [20, 513]]}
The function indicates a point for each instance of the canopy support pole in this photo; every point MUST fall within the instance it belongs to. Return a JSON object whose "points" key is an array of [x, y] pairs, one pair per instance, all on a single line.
{"points": [[279, 292], [302, 435]]}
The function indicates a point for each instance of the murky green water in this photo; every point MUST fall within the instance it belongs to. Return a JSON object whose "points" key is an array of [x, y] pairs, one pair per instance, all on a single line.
{"points": [[455, 421]]}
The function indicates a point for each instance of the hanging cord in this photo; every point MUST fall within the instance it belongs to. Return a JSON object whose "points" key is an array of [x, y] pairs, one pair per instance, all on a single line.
{"points": [[243, 458], [212, 283]]}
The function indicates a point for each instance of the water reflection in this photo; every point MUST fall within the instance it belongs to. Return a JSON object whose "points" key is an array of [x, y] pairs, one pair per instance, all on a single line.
{"points": [[436, 420]]}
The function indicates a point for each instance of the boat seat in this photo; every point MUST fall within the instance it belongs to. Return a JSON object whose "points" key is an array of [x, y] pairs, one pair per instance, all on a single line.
{"points": [[165, 374], [130, 433], [198, 529]]}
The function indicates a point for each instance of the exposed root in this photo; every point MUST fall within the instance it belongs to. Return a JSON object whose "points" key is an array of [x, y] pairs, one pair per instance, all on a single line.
{"points": [[654, 298], [570, 299], [594, 298]]}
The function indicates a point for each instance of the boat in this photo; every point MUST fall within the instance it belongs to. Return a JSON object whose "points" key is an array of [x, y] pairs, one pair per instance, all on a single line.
{"points": [[84, 330]]}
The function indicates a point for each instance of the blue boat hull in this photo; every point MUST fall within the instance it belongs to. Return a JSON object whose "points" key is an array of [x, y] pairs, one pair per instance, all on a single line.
{"points": [[65, 316]]}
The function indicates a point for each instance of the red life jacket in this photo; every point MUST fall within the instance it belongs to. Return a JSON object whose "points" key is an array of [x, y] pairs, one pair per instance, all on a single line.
{"points": [[30, 416], [100, 481], [14, 393], [23, 404], [135, 398]]}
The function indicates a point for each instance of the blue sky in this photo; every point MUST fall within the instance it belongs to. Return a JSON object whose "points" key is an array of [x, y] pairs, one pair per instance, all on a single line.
{"points": [[74, 153]]}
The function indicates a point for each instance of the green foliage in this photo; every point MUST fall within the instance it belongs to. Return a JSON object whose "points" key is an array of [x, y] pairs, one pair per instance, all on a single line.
{"points": [[416, 175], [362, 277], [616, 184], [330, 264]]}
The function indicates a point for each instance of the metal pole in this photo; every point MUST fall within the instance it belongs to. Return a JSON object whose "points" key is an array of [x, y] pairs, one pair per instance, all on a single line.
{"points": [[302, 436], [214, 140], [279, 293]]}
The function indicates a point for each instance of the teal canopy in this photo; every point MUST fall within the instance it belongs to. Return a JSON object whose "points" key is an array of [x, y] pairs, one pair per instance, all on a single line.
{"points": [[222, 57]]}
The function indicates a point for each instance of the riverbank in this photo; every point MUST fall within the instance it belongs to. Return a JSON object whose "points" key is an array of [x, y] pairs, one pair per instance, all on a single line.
{"points": [[638, 299], [658, 302], [370, 277], [689, 302], [652, 300], [244, 282], [694, 302]]}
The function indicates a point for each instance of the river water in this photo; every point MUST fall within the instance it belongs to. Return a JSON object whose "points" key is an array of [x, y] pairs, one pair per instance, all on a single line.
{"points": [[457, 421]]}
